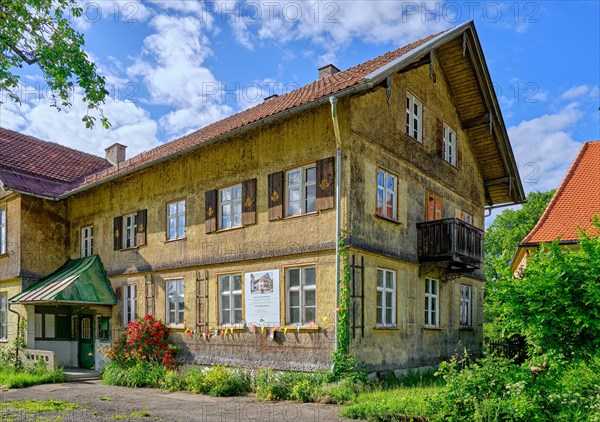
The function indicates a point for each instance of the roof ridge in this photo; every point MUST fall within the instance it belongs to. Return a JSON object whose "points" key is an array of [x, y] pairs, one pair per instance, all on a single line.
{"points": [[559, 192]]}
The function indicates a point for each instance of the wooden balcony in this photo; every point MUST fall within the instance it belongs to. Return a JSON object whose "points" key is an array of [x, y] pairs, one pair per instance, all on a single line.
{"points": [[452, 242]]}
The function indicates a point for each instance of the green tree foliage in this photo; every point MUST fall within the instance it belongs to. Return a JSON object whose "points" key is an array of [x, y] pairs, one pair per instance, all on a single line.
{"points": [[38, 32], [504, 235], [555, 303]]}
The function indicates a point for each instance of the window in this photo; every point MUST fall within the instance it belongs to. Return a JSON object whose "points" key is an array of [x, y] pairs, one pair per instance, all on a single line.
{"points": [[465, 306], [435, 207], [129, 228], [386, 297], [466, 217], [175, 302], [87, 241], [230, 207], [53, 326], [414, 117], [449, 145], [301, 295], [129, 303], [103, 328], [301, 190], [230, 299], [176, 220], [2, 231], [387, 196], [3, 316], [431, 302]]}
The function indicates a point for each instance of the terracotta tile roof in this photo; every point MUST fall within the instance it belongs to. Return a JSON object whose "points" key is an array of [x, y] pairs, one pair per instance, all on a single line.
{"points": [[574, 203], [320, 88], [28, 164]]}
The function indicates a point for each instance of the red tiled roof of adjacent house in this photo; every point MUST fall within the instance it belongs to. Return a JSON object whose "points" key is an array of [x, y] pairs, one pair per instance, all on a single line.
{"points": [[574, 203], [28, 164], [320, 88], [46, 159]]}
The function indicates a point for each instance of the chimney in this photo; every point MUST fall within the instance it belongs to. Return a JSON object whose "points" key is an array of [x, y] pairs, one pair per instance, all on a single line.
{"points": [[270, 97], [115, 153], [327, 70]]}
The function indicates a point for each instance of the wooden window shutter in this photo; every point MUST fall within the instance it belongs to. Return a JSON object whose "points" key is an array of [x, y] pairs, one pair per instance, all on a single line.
{"points": [[210, 206], [117, 233], [439, 207], [325, 183], [119, 294], [275, 196], [142, 219], [249, 202], [439, 137]]}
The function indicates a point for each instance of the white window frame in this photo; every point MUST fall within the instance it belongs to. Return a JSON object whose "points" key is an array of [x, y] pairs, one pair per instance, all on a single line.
{"points": [[3, 316], [179, 291], [231, 204], [414, 118], [382, 291], [466, 216], [3, 246], [303, 186], [180, 226], [450, 142], [129, 303], [385, 191], [432, 302], [302, 288], [87, 241], [129, 231], [466, 301], [231, 293]]}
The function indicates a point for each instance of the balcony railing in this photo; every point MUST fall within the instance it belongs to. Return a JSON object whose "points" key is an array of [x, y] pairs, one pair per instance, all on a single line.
{"points": [[450, 241]]}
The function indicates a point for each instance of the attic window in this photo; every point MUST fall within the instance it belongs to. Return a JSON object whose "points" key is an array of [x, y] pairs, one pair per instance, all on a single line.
{"points": [[414, 117]]}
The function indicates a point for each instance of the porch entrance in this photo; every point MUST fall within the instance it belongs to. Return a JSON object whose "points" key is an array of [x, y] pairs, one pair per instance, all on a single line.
{"points": [[86, 342]]}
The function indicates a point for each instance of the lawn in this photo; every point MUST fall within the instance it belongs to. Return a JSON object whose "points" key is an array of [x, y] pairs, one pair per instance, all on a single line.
{"points": [[11, 378]]}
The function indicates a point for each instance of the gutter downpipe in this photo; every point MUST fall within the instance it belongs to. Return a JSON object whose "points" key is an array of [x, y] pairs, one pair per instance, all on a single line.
{"points": [[18, 326], [338, 195]]}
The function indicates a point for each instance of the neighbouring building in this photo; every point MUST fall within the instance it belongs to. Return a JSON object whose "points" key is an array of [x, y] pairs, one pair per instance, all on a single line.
{"points": [[229, 234], [572, 208]]}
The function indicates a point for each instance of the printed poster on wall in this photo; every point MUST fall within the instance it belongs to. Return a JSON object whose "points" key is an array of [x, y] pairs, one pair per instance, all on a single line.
{"points": [[261, 291]]}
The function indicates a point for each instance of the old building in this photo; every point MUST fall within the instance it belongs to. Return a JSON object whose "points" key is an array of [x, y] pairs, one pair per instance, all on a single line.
{"points": [[572, 208], [230, 234]]}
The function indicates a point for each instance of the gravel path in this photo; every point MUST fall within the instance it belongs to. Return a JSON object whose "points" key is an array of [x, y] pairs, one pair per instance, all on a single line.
{"points": [[108, 403]]}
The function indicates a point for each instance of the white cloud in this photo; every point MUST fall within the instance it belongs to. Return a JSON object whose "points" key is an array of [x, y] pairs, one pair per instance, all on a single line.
{"points": [[544, 147], [574, 92], [130, 125], [173, 70]]}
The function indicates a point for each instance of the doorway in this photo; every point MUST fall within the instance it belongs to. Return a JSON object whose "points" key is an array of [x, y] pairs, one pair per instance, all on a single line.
{"points": [[86, 342]]}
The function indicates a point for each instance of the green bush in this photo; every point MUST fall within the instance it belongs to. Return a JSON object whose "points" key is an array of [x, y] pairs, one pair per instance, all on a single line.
{"points": [[194, 379], [141, 374], [400, 404], [173, 381], [217, 381], [339, 392], [271, 385]]}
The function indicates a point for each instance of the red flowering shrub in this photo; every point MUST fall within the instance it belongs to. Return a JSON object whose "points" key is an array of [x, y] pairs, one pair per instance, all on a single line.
{"points": [[146, 340]]}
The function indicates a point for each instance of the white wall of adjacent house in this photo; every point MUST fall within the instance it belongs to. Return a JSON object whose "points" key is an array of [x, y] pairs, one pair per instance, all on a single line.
{"points": [[66, 351]]}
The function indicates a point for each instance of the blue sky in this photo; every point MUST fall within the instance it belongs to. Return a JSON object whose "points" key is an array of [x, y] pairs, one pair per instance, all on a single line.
{"points": [[175, 66]]}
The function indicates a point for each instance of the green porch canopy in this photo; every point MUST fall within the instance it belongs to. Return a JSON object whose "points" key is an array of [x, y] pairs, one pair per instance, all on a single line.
{"points": [[79, 281]]}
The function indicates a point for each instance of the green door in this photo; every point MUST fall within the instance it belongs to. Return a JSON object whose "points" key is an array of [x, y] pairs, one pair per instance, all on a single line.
{"points": [[86, 342]]}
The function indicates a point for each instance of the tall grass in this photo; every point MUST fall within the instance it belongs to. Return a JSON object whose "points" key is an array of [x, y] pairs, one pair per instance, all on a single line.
{"points": [[11, 378]]}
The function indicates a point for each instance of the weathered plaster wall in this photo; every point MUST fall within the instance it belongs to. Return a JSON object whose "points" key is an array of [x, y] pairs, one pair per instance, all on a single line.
{"points": [[10, 263], [44, 237]]}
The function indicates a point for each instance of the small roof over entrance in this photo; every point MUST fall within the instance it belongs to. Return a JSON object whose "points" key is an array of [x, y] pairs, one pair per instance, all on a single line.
{"points": [[79, 281]]}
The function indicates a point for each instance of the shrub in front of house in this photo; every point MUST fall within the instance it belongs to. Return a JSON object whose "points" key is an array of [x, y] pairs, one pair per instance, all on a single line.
{"points": [[145, 340]]}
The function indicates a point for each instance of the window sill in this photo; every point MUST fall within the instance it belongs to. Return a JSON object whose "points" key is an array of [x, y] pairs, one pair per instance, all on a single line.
{"points": [[466, 328], [175, 240], [386, 327], [4, 255], [132, 248], [450, 164], [228, 229], [3, 340], [236, 329], [176, 327], [420, 142], [391, 220], [308, 214], [432, 327], [302, 328]]}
